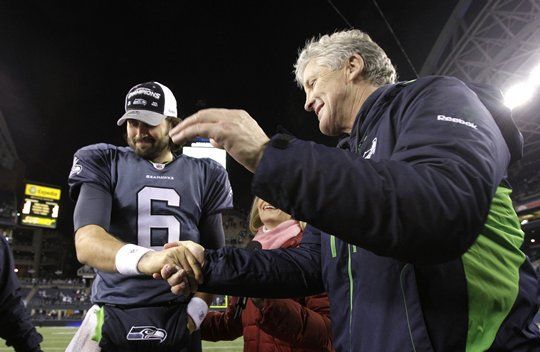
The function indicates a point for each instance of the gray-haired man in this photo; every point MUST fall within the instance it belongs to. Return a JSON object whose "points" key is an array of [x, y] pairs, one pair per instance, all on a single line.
{"points": [[413, 232]]}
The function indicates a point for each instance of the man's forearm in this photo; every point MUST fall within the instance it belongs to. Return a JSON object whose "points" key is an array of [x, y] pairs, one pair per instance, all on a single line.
{"points": [[279, 273], [97, 248]]}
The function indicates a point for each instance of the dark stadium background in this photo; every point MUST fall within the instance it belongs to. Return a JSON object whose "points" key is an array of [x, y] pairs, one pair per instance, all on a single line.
{"points": [[65, 68]]}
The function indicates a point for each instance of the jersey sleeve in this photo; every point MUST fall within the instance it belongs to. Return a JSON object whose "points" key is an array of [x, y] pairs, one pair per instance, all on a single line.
{"points": [[93, 208], [91, 164], [211, 229], [218, 195]]}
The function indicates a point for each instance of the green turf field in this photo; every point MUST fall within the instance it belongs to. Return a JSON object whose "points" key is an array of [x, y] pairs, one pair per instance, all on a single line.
{"points": [[57, 339]]}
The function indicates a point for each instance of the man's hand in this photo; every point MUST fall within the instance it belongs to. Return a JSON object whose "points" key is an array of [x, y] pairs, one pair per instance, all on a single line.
{"points": [[196, 249], [233, 130], [184, 274], [175, 263]]}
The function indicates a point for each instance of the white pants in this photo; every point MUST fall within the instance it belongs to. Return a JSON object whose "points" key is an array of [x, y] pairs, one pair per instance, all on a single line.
{"points": [[82, 341]]}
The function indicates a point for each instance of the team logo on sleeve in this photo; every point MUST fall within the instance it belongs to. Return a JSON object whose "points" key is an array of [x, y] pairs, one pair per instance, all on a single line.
{"points": [[369, 153], [146, 333], [76, 168]]}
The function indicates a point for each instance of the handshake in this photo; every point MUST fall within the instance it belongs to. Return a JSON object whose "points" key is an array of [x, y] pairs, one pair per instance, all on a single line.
{"points": [[179, 263]]}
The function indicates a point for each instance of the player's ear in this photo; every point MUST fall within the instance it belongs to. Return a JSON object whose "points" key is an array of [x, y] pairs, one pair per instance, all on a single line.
{"points": [[354, 67]]}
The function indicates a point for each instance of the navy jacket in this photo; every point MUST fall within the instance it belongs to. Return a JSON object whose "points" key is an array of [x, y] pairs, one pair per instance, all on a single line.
{"points": [[16, 327], [412, 234]]}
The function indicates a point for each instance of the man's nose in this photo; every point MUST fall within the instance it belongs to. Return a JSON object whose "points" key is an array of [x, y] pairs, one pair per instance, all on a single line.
{"points": [[308, 106], [142, 128]]}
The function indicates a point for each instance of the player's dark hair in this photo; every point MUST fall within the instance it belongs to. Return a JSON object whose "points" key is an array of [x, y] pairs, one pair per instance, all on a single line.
{"points": [[175, 148]]}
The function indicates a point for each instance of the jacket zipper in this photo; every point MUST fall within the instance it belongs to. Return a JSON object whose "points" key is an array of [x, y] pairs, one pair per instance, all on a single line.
{"points": [[405, 304]]}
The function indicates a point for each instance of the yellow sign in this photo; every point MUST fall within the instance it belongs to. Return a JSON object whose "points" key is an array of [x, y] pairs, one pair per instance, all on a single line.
{"points": [[220, 302], [42, 191], [37, 221]]}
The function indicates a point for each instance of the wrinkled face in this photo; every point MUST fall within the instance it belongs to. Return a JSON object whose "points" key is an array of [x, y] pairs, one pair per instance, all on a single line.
{"points": [[270, 215], [326, 95], [148, 141]]}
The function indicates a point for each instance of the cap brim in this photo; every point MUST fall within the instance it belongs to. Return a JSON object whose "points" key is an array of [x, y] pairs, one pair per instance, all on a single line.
{"points": [[148, 117]]}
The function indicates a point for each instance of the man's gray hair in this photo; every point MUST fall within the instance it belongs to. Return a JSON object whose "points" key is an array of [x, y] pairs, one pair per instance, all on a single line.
{"points": [[334, 49]]}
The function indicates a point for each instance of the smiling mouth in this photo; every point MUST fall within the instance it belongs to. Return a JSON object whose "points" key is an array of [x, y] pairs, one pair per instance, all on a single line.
{"points": [[144, 141], [269, 207], [318, 109]]}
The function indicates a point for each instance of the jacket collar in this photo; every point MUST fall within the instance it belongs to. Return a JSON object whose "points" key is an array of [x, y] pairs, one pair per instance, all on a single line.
{"points": [[359, 124]]}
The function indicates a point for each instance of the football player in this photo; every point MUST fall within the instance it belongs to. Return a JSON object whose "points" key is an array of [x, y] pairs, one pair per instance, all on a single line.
{"points": [[130, 201]]}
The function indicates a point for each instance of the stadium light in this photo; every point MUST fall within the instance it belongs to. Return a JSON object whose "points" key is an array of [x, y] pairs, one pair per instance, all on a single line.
{"points": [[518, 94], [522, 92], [534, 76]]}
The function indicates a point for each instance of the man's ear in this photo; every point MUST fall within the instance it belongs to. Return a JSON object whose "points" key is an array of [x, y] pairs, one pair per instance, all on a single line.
{"points": [[354, 67]]}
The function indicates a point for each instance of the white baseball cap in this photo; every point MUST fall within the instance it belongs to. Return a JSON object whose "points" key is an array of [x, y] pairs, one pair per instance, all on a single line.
{"points": [[149, 102]]}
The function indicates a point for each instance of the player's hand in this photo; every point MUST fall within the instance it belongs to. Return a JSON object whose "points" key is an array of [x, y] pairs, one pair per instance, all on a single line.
{"points": [[176, 261], [191, 325], [196, 249], [188, 270], [233, 130]]}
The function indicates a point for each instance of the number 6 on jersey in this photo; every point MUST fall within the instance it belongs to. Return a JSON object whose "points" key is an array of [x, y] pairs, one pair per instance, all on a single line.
{"points": [[148, 222]]}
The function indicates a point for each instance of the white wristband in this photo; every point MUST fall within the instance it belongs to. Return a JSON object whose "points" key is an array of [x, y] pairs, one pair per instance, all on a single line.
{"points": [[128, 257], [197, 310]]}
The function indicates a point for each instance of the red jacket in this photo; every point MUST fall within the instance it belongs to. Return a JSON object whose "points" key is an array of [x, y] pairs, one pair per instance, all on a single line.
{"points": [[300, 324]]}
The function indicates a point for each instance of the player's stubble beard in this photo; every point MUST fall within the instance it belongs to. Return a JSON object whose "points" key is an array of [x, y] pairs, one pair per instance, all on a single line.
{"points": [[154, 149]]}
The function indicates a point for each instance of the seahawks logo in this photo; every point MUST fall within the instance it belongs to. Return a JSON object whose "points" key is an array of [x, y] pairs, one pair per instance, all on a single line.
{"points": [[146, 333], [76, 168], [369, 153]]}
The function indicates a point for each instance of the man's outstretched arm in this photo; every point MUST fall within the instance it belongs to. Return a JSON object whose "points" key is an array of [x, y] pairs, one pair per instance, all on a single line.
{"points": [[278, 273]]}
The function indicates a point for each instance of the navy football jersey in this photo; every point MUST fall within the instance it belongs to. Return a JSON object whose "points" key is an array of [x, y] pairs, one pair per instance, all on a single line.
{"points": [[152, 205]]}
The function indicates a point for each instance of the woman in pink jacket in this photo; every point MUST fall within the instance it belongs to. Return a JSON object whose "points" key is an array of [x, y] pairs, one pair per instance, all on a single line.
{"points": [[299, 324]]}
